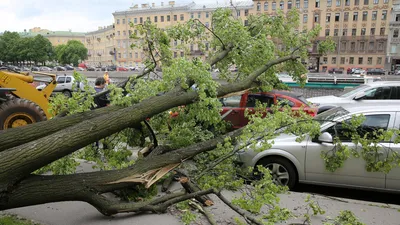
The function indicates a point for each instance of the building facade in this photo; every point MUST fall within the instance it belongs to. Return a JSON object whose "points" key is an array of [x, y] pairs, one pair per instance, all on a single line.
{"points": [[360, 28], [393, 47], [101, 46], [55, 37]]}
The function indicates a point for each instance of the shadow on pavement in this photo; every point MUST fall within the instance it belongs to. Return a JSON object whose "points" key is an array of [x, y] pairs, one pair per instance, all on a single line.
{"points": [[356, 194]]}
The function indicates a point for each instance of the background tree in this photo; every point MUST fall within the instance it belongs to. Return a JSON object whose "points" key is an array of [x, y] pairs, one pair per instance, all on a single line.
{"points": [[71, 53]]}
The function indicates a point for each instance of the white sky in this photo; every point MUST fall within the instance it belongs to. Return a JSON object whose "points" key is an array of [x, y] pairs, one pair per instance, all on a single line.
{"points": [[77, 15]]}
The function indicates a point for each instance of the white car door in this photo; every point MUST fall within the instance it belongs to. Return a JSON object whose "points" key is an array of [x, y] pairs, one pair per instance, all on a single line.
{"points": [[393, 177], [353, 172], [60, 84]]}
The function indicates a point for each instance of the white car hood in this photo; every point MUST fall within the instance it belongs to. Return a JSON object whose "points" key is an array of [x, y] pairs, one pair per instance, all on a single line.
{"points": [[330, 99]]}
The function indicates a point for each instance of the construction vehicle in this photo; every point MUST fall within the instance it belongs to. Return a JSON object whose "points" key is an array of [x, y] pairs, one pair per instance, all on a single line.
{"points": [[20, 102]]}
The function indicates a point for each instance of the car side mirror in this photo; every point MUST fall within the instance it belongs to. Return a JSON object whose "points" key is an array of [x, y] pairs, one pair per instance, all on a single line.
{"points": [[325, 138], [359, 96]]}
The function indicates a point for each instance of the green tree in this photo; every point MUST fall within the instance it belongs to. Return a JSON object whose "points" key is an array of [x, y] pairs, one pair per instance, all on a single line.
{"points": [[9, 42], [42, 49], [197, 134], [71, 53]]}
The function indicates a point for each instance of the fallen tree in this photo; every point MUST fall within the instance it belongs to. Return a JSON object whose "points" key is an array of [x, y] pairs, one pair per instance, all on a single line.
{"points": [[185, 81]]}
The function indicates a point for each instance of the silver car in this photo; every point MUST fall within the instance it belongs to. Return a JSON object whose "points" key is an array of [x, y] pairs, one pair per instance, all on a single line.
{"points": [[375, 92], [291, 162]]}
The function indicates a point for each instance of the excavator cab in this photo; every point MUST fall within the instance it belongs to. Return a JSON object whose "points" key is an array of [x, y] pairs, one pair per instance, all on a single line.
{"points": [[20, 102]]}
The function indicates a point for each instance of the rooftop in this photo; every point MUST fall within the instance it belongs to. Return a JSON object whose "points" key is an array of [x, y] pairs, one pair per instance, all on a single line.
{"points": [[52, 34]]}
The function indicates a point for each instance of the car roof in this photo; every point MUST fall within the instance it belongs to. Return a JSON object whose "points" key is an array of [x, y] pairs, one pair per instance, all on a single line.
{"points": [[372, 107], [384, 83], [287, 93]]}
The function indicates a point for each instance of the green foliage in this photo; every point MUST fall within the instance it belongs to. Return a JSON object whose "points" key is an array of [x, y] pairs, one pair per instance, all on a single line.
{"points": [[71, 53], [346, 217], [14, 220], [15, 49], [314, 207]]}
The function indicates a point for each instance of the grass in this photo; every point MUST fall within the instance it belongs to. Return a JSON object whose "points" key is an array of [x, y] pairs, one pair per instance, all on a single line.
{"points": [[14, 220]]}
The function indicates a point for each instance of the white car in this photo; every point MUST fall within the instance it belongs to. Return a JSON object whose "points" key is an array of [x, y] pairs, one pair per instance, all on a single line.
{"points": [[380, 91], [64, 85]]}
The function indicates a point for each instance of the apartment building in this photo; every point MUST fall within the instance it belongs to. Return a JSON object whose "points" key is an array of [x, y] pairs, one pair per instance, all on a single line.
{"points": [[393, 47], [101, 46], [164, 16], [55, 37]]}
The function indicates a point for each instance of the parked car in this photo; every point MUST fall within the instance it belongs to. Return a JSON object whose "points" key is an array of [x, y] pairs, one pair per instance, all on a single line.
{"points": [[335, 70], [121, 68], [45, 68], [91, 68], [357, 71], [68, 67], [111, 68], [35, 68], [24, 68], [376, 92], [60, 68], [79, 69], [15, 68], [65, 85], [292, 162], [375, 72]]}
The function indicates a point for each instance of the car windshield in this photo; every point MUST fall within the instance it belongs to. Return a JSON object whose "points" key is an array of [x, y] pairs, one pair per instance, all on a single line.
{"points": [[331, 115], [355, 90]]}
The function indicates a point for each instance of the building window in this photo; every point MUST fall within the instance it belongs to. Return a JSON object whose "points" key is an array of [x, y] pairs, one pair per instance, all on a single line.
{"points": [[366, 2], [356, 2], [274, 6], [385, 1], [371, 45], [396, 33], [182, 54], [379, 60], [316, 3], [362, 46], [360, 60], [162, 18], [182, 17], [141, 19], [327, 31], [365, 16], [338, 2], [384, 14], [124, 33], [136, 55], [353, 46], [380, 46], [333, 60], [192, 15], [397, 17], [382, 32], [129, 20], [198, 15], [175, 17], [305, 18], [238, 12], [337, 17], [117, 21], [265, 6], [376, 1], [130, 55], [175, 43], [168, 18], [258, 6], [325, 60], [369, 60], [246, 22], [351, 60], [207, 14], [343, 47], [207, 24], [372, 31], [306, 4], [342, 60], [123, 21], [281, 5], [298, 4], [135, 20], [130, 32], [316, 18], [328, 17], [336, 32], [346, 16], [118, 33], [374, 15], [355, 16], [363, 31], [175, 54], [347, 2], [289, 5], [344, 32], [155, 19]]}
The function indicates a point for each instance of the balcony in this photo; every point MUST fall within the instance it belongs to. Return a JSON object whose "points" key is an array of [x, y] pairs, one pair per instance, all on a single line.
{"points": [[394, 24]]}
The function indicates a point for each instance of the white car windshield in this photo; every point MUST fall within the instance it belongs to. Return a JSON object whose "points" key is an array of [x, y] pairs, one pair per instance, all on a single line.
{"points": [[355, 90], [331, 115]]}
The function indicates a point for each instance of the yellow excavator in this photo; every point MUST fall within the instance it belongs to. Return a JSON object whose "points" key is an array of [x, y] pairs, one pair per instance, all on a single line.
{"points": [[20, 102]]}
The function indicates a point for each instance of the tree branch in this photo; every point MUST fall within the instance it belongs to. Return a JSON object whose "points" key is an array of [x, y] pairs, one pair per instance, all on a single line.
{"points": [[215, 35]]}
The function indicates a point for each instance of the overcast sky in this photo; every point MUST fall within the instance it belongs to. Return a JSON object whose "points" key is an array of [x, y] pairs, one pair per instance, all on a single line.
{"points": [[77, 15]]}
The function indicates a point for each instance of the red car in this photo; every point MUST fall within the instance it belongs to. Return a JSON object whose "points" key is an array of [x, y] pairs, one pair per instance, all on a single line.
{"points": [[234, 107], [122, 68]]}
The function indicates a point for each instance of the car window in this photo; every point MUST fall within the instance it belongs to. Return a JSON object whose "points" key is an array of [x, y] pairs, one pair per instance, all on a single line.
{"points": [[284, 101], [371, 123], [61, 80], [68, 80], [360, 88], [395, 93], [379, 93], [264, 99], [233, 101]]}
